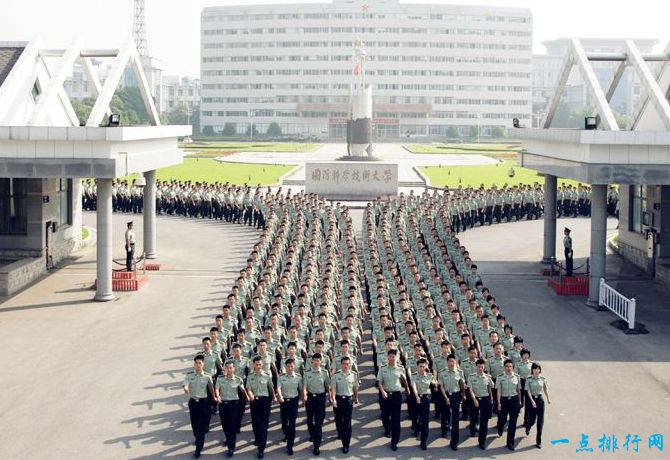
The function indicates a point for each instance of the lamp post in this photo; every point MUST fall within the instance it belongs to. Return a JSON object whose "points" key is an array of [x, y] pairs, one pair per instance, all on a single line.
{"points": [[479, 125], [251, 125]]}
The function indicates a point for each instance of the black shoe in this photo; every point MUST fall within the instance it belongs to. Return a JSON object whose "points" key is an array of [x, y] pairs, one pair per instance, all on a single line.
{"points": [[423, 447], [197, 454], [311, 439], [316, 451], [229, 453], [527, 431], [345, 450], [454, 447], [539, 446], [510, 446], [387, 434], [500, 433], [482, 446], [394, 447], [284, 440], [289, 451], [261, 454]]}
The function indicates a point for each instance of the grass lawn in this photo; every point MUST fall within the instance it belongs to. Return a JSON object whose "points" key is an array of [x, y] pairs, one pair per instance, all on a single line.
{"points": [[453, 176], [208, 170], [481, 149], [232, 147]]}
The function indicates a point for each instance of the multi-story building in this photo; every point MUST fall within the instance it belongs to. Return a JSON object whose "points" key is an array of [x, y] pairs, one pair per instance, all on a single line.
{"points": [[432, 67], [546, 68], [180, 90]]}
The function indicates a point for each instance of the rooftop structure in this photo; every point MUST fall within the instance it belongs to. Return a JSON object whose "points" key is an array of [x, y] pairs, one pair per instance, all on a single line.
{"points": [[637, 160], [44, 153]]}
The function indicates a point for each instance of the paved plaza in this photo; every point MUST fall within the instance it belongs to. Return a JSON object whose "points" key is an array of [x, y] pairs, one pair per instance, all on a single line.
{"points": [[395, 153], [102, 380]]}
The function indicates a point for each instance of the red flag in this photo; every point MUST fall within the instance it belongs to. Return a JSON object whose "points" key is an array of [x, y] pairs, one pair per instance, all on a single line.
{"points": [[357, 68]]}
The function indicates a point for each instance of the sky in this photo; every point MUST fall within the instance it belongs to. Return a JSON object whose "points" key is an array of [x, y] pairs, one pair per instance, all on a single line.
{"points": [[173, 26]]}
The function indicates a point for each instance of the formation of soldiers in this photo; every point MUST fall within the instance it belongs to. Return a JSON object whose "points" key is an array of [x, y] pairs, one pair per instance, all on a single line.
{"points": [[290, 330], [438, 335], [237, 204], [480, 206], [469, 206]]}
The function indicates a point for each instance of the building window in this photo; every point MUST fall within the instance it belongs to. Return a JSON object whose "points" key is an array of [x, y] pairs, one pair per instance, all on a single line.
{"points": [[638, 208], [36, 90], [64, 201], [13, 206]]}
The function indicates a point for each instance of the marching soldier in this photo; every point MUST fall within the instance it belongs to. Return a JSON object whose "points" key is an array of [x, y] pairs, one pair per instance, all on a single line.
{"points": [[509, 401], [315, 389], [480, 385], [422, 383], [535, 385], [213, 365], [289, 388], [391, 380], [242, 368], [452, 387], [198, 386], [344, 394], [260, 394], [229, 389]]}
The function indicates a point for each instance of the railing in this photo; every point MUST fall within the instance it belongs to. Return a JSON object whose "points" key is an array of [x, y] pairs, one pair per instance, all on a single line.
{"points": [[620, 305]]}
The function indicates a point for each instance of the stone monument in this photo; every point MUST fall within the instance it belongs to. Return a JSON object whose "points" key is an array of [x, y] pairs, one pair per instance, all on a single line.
{"points": [[359, 119], [357, 176]]}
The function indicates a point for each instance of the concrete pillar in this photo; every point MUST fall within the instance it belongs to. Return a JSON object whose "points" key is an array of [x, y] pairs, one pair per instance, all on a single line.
{"points": [[598, 241], [104, 292], [149, 214], [549, 218]]}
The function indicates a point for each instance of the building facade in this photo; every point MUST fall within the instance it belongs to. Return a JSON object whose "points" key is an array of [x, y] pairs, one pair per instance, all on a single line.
{"points": [[431, 67], [180, 91]]}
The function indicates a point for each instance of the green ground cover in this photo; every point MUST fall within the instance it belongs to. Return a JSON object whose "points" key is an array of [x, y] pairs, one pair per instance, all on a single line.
{"points": [[249, 147], [453, 176], [208, 170], [480, 149]]}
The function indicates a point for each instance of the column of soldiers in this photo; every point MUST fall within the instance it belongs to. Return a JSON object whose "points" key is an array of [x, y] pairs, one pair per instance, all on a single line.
{"points": [[289, 332], [239, 204], [225, 202], [439, 338]]}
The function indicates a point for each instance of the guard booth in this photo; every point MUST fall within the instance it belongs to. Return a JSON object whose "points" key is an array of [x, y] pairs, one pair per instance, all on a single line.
{"points": [[45, 151], [638, 160]]}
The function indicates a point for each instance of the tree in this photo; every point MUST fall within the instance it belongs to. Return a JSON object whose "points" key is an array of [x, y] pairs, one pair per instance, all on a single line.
{"points": [[274, 130], [83, 108], [128, 103], [208, 130], [248, 130], [452, 132], [178, 115], [229, 129], [474, 132], [498, 133]]}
